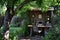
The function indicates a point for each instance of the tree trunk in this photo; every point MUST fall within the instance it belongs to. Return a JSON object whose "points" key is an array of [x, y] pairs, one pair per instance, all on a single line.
{"points": [[6, 25]]}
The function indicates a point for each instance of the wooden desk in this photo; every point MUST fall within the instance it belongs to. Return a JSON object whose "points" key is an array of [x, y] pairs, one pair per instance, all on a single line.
{"points": [[42, 27]]}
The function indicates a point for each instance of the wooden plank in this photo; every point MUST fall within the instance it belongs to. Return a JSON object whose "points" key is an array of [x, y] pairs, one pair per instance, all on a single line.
{"points": [[25, 39], [40, 26]]}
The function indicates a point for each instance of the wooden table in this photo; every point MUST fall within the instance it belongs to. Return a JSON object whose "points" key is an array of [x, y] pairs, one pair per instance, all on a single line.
{"points": [[40, 26]]}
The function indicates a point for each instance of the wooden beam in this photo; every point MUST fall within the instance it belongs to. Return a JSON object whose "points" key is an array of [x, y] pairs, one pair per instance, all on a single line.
{"points": [[42, 26]]}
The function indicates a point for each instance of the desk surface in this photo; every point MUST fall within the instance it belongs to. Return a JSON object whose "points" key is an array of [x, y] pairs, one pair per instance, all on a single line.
{"points": [[40, 26]]}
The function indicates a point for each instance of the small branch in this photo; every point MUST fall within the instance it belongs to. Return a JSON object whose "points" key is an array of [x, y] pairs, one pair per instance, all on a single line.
{"points": [[22, 4]]}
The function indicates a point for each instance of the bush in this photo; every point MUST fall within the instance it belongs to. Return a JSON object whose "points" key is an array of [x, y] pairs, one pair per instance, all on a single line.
{"points": [[54, 33]]}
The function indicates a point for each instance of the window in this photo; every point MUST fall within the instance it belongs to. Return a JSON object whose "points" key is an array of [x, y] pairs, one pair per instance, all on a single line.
{"points": [[40, 16]]}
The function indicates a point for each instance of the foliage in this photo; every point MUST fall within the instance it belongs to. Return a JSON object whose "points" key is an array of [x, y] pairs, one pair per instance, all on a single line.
{"points": [[43, 4], [1, 34], [2, 10], [15, 31], [54, 33]]}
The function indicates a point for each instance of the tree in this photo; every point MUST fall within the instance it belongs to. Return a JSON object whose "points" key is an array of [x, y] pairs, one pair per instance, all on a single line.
{"points": [[10, 8]]}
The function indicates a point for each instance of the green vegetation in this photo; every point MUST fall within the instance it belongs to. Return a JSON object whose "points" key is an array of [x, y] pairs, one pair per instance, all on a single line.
{"points": [[54, 33], [20, 8]]}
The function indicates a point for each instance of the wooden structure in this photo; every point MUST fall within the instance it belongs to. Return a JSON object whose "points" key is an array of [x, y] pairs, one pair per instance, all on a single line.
{"points": [[41, 20]]}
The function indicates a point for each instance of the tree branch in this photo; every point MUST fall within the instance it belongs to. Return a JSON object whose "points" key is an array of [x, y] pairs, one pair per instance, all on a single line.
{"points": [[22, 4]]}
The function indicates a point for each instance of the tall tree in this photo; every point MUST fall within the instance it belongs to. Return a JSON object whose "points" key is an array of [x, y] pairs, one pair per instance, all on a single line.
{"points": [[9, 12]]}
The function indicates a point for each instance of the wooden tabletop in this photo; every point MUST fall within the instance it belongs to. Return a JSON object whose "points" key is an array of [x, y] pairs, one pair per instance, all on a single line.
{"points": [[40, 26]]}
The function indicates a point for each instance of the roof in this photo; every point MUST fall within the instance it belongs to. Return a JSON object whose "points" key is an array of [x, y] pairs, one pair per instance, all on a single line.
{"points": [[38, 9]]}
